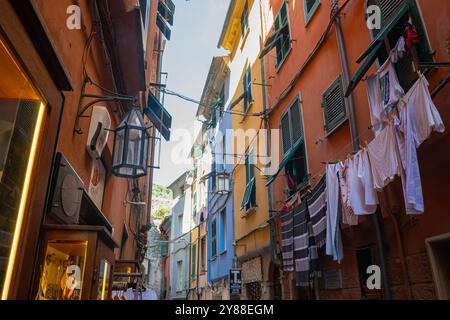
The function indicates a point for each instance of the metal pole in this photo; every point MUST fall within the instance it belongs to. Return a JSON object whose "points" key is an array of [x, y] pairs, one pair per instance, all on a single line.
{"points": [[346, 76]]}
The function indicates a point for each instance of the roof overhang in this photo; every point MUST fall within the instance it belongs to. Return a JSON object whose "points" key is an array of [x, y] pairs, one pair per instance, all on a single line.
{"points": [[127, 23], [218, 71], [231, 27]]}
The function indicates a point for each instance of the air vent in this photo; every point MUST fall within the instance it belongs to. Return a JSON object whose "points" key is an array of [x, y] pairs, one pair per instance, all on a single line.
{"points": [[66, 193]]}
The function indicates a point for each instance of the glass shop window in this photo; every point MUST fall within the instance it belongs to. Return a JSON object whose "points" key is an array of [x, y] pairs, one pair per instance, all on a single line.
{"points": [[104, 280], [63, 270], [21, 114]]}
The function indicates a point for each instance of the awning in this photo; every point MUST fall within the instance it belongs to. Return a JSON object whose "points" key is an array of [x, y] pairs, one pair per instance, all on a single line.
{"points": [[164, 9], [249, 189], [162, 25], [372, 51], [159, 116], [288, 157]]}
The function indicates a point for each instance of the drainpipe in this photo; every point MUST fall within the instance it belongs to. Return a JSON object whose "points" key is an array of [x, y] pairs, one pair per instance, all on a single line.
{"points": [[355, 145], [346, 76]]}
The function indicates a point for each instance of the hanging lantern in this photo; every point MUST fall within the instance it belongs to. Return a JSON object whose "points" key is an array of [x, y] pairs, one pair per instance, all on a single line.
{"points": [[130, 152], [223, 183]]}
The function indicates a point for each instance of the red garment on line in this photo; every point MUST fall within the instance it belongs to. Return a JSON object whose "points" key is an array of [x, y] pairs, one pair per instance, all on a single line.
{"points": [[412, 37]]}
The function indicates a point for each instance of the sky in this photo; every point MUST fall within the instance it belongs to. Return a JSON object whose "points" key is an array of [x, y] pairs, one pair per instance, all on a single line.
{"points": [[187, 58]]}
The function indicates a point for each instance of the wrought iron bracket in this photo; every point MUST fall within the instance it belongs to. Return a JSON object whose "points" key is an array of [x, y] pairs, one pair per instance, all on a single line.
{"points": [[82, 108]]}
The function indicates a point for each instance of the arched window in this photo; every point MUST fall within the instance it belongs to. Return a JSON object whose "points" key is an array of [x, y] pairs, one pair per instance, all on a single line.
{"points": [[419, 53]]}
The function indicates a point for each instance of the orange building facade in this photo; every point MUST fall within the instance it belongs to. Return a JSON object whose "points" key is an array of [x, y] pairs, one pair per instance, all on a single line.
{"points": [[304, 77], [64, 49]]}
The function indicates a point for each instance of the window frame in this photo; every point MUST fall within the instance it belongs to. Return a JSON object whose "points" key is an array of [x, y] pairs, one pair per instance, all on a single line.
{"points": [[223, 231], [250, 178], [287, 112], [279, 64], [214, 238], [338, 82], [203, 254], [309, 14], [194, 261], [424, 44], [244, 18], [247, 84], [296, 102]]}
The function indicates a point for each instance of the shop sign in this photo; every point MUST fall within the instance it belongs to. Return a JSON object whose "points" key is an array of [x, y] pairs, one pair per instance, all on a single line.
{"points": [[97, 183], [235, 281]]}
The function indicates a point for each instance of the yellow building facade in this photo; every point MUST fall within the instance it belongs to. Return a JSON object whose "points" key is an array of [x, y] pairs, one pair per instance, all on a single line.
{"points": [[241, 37]]}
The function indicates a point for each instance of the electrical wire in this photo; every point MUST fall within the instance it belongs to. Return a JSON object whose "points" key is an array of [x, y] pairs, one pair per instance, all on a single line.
{"points": [[214, 107]]}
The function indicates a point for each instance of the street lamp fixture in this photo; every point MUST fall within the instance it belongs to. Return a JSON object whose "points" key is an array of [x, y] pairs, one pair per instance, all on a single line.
{"points": [[223, 183], [130, 151]]}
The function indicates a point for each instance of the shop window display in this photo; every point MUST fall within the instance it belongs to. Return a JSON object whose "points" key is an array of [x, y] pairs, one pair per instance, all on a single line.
{"points": [[21, 114], [103, 283], [63, 270]]}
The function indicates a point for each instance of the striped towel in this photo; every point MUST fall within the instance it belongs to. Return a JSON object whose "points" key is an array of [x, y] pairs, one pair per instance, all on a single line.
{"points": [[309, 233], [317, 209], [287, 238], [301, 244]]}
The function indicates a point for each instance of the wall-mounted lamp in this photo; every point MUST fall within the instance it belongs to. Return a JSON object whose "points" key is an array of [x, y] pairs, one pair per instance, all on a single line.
{"points": [[223, 183], [130, 151]]}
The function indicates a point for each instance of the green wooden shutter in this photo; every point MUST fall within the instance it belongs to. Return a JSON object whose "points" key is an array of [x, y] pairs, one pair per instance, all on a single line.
{"points": [[389, 9], [296, 122], [333, 104], [285, 133], [164, 246], [194, 260]]}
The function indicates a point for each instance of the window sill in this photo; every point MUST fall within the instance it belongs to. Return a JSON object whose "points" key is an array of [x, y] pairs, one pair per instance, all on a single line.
{"points": [[223, 252], [281, 64], [328, 134], [214, 258], [248, 212]]}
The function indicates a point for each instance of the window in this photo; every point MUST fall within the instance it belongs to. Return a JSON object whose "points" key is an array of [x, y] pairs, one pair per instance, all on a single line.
{"points": [[420, 52], [123, 243], [194, 261], [291, 127], [247, 88], [21, 115], [180, 275], [249, 201], [213, 176], [202, 254], [293, 146], [223, 232], [244, 20], [333, 104], [310, 7], [281, 27], [214, 238], [194, 205], [180, 224], [222, 101]]}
